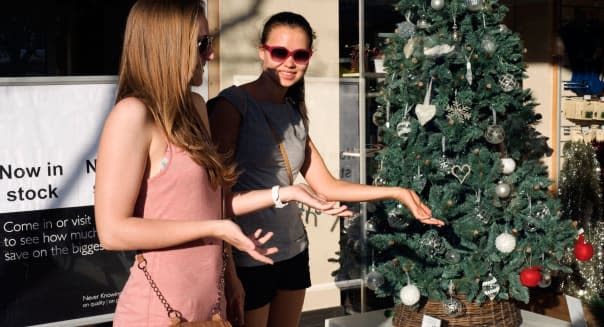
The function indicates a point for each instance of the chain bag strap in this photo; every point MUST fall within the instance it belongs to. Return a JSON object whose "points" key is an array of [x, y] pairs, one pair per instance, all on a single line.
{"points": [[282, 149], [243, 98], [175, 315]]}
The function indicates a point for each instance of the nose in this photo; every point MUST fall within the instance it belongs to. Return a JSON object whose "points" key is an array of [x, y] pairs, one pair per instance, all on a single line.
{"points": [[289, 61]]}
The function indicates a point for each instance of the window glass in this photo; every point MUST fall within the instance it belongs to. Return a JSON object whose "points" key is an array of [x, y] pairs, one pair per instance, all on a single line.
{"points": [[61, 38]]}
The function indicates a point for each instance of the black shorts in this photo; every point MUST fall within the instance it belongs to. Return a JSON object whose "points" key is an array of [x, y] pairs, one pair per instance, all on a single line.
{"points": [[262, 282]]}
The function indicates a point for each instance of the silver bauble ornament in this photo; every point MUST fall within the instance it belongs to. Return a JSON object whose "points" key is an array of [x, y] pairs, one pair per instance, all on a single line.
{"points": [[379, 118], [396, 219], [403, 128], [432, 243], [503, 190], [507, 82], [488, 44], [370, 225], [418, 182], [374, 279], [474, 5], [453, 307], [481, 215], [453, 256], [546, 280], [437, 4], [494, 134], [423, 23], [505, 243], [379, 181], [410, 295]]}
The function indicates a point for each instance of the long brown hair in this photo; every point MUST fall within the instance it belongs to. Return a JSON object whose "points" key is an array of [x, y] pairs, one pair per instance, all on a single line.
{"points": [[296, 92], [158, 61]]}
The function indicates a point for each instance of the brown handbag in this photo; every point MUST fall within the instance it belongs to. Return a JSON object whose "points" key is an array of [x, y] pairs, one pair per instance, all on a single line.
{"points": [[175, 315]]}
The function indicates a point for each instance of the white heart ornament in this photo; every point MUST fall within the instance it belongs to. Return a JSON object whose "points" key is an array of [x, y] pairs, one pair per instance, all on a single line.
{"points": [[461, 172], [426, 111]]}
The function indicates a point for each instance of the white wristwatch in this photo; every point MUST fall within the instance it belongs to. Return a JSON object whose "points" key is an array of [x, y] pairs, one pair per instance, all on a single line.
{"points": [[276, 200]]}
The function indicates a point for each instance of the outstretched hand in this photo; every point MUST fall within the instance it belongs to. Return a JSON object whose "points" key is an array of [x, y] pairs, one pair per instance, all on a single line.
{"points": [[253, 245], [305, 194], [419, 210]]}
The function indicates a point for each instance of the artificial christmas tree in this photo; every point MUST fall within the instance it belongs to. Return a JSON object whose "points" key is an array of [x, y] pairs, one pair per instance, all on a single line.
{"points": [[461, 134]]}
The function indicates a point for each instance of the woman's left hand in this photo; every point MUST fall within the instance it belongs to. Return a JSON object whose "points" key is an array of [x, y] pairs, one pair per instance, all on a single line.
{"points": [[420, 211], [305, 194]]}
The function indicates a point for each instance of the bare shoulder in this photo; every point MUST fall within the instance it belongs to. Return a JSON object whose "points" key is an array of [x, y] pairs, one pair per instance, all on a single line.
{"points": [[131, 109], [129, 119], [131, 112]]}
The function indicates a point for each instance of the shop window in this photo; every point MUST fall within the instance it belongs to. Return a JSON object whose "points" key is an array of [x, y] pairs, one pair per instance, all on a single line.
{"points": [[61, 37]]}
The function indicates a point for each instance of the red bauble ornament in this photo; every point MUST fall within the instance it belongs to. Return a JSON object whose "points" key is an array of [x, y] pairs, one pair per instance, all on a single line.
{"points": [[530, 276], [583, 250]]}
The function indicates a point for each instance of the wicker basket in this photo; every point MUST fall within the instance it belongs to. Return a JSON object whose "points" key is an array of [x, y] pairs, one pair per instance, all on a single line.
{"points": [[490, 314]]}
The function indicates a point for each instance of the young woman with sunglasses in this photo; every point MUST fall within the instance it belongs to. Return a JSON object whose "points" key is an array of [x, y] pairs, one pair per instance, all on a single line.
{"points": [[159, 177], [266, 122]]}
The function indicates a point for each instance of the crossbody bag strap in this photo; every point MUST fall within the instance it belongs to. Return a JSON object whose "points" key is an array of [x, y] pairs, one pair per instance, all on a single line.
{"points": [[282, 149], [175, 315]]}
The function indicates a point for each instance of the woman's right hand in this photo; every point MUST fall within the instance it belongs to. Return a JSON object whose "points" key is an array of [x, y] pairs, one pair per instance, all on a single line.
{"points": [[252, 244], [305, 194]]}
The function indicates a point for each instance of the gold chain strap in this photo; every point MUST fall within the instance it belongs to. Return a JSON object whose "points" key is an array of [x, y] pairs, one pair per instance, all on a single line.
{"points": [[282, 149], [173, 313]]}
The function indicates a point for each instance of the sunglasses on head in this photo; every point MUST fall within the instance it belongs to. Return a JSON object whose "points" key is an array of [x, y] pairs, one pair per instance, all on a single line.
{"points": [[205, 45], [280, 54]]}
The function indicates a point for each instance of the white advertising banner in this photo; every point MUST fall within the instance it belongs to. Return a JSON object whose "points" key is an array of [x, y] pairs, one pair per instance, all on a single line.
{"points": [[52, 267]]}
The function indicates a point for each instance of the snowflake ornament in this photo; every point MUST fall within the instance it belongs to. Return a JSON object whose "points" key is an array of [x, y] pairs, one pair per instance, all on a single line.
{"points": [[406, 29], [458, 111]]}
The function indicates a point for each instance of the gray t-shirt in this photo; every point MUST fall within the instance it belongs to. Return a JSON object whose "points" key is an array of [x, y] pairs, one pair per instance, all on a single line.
{"points": [[263, 166]]}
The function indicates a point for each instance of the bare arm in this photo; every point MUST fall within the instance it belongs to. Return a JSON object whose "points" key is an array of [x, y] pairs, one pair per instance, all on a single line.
{"points": [[321, 180], [225, 122], [129, 151]]}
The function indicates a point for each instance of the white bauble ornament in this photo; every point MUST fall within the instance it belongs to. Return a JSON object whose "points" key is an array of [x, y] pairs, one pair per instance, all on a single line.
{"points": [[505, 242], [437, 4], [509, 165], [410, 295]]}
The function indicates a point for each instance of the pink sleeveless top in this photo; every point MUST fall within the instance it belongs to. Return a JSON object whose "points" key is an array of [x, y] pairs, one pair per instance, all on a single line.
{"points": [[187, 275]]}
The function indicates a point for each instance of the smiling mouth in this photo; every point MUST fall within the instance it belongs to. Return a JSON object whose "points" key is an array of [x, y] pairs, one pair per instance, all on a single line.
{"points": [[288, 74]]}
